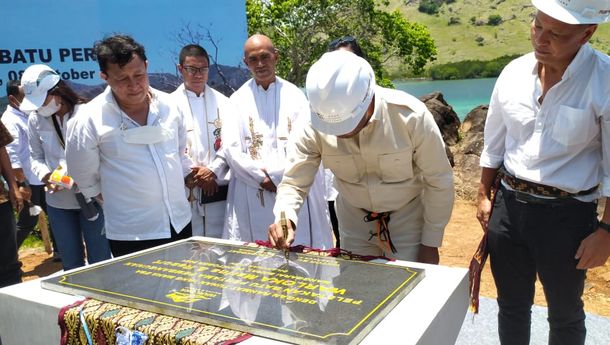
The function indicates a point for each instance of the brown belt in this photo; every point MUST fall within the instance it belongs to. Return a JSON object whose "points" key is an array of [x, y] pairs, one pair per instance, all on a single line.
{"points": [[539, 189]]}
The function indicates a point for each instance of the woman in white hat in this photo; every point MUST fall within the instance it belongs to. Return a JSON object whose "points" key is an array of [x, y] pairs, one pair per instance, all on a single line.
{"points": [[53, 103]]}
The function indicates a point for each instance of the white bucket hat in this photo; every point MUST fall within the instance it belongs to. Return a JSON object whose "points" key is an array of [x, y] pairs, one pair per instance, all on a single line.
{"points": [[576, 11], [340, 87], [36, 81]]}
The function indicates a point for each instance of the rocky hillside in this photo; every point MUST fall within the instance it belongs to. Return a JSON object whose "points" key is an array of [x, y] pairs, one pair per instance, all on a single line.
{"points": [[464, 142], [462, 29]]}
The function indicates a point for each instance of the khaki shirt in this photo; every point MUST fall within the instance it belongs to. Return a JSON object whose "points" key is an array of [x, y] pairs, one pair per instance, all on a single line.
{"points": [[5, 139], [399, 155]]}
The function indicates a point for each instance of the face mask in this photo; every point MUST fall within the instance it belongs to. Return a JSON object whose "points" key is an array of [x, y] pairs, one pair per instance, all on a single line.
{"points": [[49, 109], [145, 135]]}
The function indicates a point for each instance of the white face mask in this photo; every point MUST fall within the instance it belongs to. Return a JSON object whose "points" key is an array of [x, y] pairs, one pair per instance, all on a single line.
{"points": [[145, 135], [49, 109]]}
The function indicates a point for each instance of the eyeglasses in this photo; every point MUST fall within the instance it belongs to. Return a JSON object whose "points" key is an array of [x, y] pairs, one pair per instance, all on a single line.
{"points": [[334, 44], [194, 70]]}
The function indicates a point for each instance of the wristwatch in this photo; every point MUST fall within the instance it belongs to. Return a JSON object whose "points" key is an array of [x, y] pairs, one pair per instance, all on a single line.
{"points": [[23, 183], [604, 226]]}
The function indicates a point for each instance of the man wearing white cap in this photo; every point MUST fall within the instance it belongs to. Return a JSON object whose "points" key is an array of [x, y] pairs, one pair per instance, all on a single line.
{"points": [[548, 117], [394, 179]]}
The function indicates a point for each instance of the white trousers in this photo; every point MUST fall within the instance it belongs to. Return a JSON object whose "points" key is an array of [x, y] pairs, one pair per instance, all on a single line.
{"points": [[208, 219]]}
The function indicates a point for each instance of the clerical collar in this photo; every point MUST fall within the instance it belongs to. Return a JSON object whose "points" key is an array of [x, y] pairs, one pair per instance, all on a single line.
{"points": [[191, 94], [269, 88]]}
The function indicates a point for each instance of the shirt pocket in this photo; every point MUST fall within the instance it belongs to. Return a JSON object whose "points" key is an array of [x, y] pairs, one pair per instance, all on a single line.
{"points": [[344, 167], [574, 126], [396, 167]]}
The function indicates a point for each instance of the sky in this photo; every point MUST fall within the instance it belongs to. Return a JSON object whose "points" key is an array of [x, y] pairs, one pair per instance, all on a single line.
{"points": [[59, 26]]}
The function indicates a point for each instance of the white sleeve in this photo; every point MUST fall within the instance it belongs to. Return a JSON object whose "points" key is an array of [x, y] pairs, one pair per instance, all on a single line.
{"points": [[13, 146], [494, 134], [37, 156], [83, 154]]}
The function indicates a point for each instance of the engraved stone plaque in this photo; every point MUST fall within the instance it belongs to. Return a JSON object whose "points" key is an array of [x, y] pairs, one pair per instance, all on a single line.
{"points": [[307, 300]]}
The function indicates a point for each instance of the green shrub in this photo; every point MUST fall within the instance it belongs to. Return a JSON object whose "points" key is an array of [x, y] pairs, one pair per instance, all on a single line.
{"points": [[469, 69], [454, 21], [428, 6], [494, 20]]}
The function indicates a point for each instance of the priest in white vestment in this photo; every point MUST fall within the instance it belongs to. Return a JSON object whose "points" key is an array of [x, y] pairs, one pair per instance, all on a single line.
{"points": [[203, 110], [268, 108]]}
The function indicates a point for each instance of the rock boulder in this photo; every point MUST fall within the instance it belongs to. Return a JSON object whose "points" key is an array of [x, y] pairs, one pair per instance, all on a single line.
{"points": [[466, 171]]}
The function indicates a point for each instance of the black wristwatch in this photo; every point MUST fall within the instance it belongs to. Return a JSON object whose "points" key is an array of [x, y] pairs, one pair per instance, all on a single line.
{"points": [[23, 184], [604, 226]]}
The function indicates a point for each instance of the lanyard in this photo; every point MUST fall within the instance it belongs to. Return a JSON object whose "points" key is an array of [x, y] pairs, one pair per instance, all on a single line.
{"points": [[60, 136]]}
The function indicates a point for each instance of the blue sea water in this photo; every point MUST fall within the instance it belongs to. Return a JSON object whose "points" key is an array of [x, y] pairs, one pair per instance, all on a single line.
{"points": [[463, 95]]}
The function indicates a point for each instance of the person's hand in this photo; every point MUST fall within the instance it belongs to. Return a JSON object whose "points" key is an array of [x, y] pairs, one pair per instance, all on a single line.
{"points": [[276, 235], [594, 250], [209, 187], [100, 199], [428, 255], [50, 187], [16, 199], [268, 185], [189, 180], [202, 174], [26, 193], [483, 211]]}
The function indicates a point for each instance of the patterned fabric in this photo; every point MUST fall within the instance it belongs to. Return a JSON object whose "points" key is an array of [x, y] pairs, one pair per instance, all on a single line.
{"points": [[103, 318], [539, 189], [334, 252]]}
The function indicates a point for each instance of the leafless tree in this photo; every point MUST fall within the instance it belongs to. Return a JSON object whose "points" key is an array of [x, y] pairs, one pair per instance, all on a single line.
{"points": [[199, 34]]}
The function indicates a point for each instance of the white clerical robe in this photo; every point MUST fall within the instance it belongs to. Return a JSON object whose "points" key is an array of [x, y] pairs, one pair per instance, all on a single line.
{"points": [[257, 143], [203, 116]]}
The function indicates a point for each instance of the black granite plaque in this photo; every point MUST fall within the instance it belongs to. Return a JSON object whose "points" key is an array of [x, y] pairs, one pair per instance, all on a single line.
{"points": [[310, 300]]}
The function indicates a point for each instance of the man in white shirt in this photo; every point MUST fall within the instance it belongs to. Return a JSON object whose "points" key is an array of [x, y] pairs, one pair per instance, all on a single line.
{"points": [[268, 109], [203, 110], [548, 118], [16, 122], [128, 146]]}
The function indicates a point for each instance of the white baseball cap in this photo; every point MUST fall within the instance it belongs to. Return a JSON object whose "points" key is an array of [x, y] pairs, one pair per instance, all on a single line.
{"points": [[36, 81], [576, 11], [340, 88]]}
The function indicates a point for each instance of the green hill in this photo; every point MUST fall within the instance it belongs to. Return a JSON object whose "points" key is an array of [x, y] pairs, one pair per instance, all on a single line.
{"points": [[471, 38]]}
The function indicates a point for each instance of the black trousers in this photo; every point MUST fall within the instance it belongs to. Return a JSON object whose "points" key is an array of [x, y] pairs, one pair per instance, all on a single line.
{"points": [[10, 266], [120, 248], [529, 237]]}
